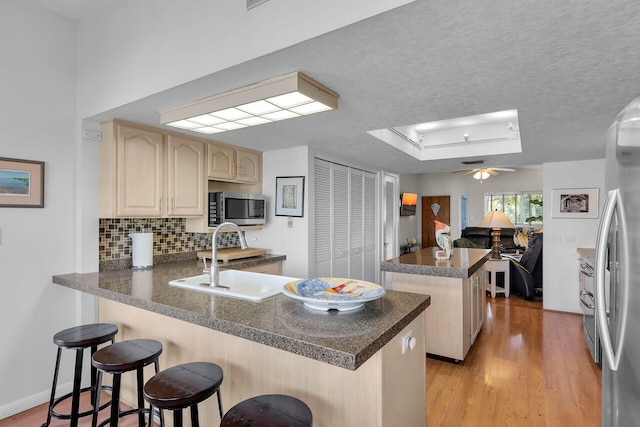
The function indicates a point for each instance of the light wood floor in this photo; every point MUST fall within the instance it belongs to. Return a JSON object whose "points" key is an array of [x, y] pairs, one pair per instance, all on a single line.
{"points": [[528, 367], [35, 417]]}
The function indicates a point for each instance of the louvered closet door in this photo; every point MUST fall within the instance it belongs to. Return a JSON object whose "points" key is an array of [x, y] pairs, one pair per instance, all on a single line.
{"points": [[370, 259], [322, 234], [345, 222], [356, 226], [340, 220]]}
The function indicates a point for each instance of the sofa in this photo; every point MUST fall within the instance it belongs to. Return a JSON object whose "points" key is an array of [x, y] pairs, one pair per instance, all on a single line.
{"points": [[480, 237]]}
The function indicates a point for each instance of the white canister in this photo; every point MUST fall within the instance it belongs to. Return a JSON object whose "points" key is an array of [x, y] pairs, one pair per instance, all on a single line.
{"points": [[142, 250]]}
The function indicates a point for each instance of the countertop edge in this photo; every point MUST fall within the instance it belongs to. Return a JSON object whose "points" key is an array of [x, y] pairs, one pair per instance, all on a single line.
{"points": [[346, 360], [435, 270]]}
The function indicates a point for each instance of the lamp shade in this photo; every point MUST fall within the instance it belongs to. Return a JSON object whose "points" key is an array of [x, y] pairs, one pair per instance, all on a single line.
{"points": [[496, 219]]}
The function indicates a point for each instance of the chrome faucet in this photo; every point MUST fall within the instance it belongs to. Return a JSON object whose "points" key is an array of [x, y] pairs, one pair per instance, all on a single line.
{"points": [[214, 270]]}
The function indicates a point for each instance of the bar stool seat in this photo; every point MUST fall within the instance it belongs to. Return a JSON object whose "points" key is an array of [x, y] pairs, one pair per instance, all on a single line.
{"points": [[184, 386], [269, 410], [119, 358], [78, 338]]}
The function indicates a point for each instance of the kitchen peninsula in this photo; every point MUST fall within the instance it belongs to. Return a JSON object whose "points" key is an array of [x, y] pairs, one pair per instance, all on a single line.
{"points": [[456, 287], [350, 367]]}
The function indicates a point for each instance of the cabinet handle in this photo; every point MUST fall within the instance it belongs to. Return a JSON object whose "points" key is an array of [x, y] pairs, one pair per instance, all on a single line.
{"points": [[233, 170], [173, 205]]}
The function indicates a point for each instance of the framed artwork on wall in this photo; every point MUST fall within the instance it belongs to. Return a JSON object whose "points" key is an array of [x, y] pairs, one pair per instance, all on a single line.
{"points": [[290, 196], [21, 183], [575, 203]]}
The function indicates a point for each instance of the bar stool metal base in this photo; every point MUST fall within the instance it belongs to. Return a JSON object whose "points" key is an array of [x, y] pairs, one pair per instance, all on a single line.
{"points": [[78, 338], [123, 357]]}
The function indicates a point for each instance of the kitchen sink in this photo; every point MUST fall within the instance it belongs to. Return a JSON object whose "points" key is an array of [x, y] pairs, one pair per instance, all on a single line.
{"points": [[237, 283]]}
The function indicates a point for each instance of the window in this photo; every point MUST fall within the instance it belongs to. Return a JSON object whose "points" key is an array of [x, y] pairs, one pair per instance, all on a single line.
{"points": [[522, 208]]}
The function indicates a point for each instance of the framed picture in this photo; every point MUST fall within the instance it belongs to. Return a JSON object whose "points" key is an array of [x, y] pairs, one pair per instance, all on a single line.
{"points": [[21, 183], [575, 203], [290, 196]]}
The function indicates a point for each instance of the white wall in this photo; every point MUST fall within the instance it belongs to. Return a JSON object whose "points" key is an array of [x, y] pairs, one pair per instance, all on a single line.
{"points": [[410, 226], [562, 236], [276, 234], [37, 122], [454, 184]]}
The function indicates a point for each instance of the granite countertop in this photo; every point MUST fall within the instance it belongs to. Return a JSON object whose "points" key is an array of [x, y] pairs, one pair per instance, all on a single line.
{"points": [[345, 339], [462, 264]]}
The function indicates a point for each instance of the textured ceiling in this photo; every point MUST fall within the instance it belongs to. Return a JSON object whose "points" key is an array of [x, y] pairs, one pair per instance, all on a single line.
{"points": [[567, 67]]}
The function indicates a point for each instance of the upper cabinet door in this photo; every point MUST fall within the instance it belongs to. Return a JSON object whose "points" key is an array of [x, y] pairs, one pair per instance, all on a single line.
{"points": [[221, 162], [185, 180], [248, 166], [140, 175]]}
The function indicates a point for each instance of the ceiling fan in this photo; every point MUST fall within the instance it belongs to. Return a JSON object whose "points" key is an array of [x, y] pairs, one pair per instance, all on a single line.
{"points": [[483, 173]]}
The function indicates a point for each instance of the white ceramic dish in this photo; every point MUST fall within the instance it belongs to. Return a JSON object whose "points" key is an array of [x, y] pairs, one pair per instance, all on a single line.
{"points": [[346, 303]]}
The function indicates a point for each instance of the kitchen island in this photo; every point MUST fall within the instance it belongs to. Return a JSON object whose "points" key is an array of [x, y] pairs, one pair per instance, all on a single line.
{"points": [[456, 287], [349, 367]]}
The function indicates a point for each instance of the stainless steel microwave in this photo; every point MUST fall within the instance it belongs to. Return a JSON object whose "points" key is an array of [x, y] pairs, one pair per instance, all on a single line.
{"points": [[239, 208]]}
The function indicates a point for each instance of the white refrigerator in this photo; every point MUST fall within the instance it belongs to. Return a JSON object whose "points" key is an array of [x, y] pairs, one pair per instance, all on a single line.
{"points": [[618, 273]]}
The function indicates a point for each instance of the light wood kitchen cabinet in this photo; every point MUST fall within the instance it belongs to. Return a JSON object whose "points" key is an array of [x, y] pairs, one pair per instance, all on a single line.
{"points": [[477, 295], [145, 172], [456, 314], [226, 163], [185, 182]]}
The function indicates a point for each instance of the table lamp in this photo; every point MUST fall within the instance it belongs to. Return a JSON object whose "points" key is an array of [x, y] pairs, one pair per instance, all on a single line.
{"points": [[496, 220]]}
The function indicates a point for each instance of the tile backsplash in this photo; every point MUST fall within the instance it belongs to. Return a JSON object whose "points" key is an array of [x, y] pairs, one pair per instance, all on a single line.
{"points": [[169, 237]]}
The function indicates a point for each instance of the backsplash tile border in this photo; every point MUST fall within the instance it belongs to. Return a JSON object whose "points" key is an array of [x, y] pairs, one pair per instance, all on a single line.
{"points": [[169, 237]]}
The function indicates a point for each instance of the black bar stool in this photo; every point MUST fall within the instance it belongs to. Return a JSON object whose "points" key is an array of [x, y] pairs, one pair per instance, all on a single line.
{"points": [[119, 358], [269, 410], [78, 338], [184, 386]]}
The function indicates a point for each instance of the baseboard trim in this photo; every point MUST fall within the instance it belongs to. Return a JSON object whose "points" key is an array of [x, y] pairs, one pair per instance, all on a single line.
{"points": [[32, 401]]}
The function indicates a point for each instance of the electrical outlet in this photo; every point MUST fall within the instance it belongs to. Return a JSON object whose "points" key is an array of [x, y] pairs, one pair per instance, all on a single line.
{"points": [[408, 342], [92, 135]]}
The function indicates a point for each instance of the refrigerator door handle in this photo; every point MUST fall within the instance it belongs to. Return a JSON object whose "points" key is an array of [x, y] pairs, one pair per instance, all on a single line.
{"points": [[612, 206], [587, 304]]}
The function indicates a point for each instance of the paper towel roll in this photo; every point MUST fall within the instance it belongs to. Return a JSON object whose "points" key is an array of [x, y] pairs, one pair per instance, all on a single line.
{"points": [[142, 250]]}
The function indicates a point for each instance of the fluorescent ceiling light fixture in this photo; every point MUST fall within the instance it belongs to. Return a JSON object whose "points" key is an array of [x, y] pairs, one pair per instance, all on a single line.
{"points": [[279, 98], [480, 135]]}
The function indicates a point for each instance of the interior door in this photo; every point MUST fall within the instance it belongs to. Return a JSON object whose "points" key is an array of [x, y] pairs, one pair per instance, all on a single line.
{"points": [[433, 207], [390, 220]]}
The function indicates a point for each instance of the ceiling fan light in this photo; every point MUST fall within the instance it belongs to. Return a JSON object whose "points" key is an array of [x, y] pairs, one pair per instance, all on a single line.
{"points": [[481, 175]]}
